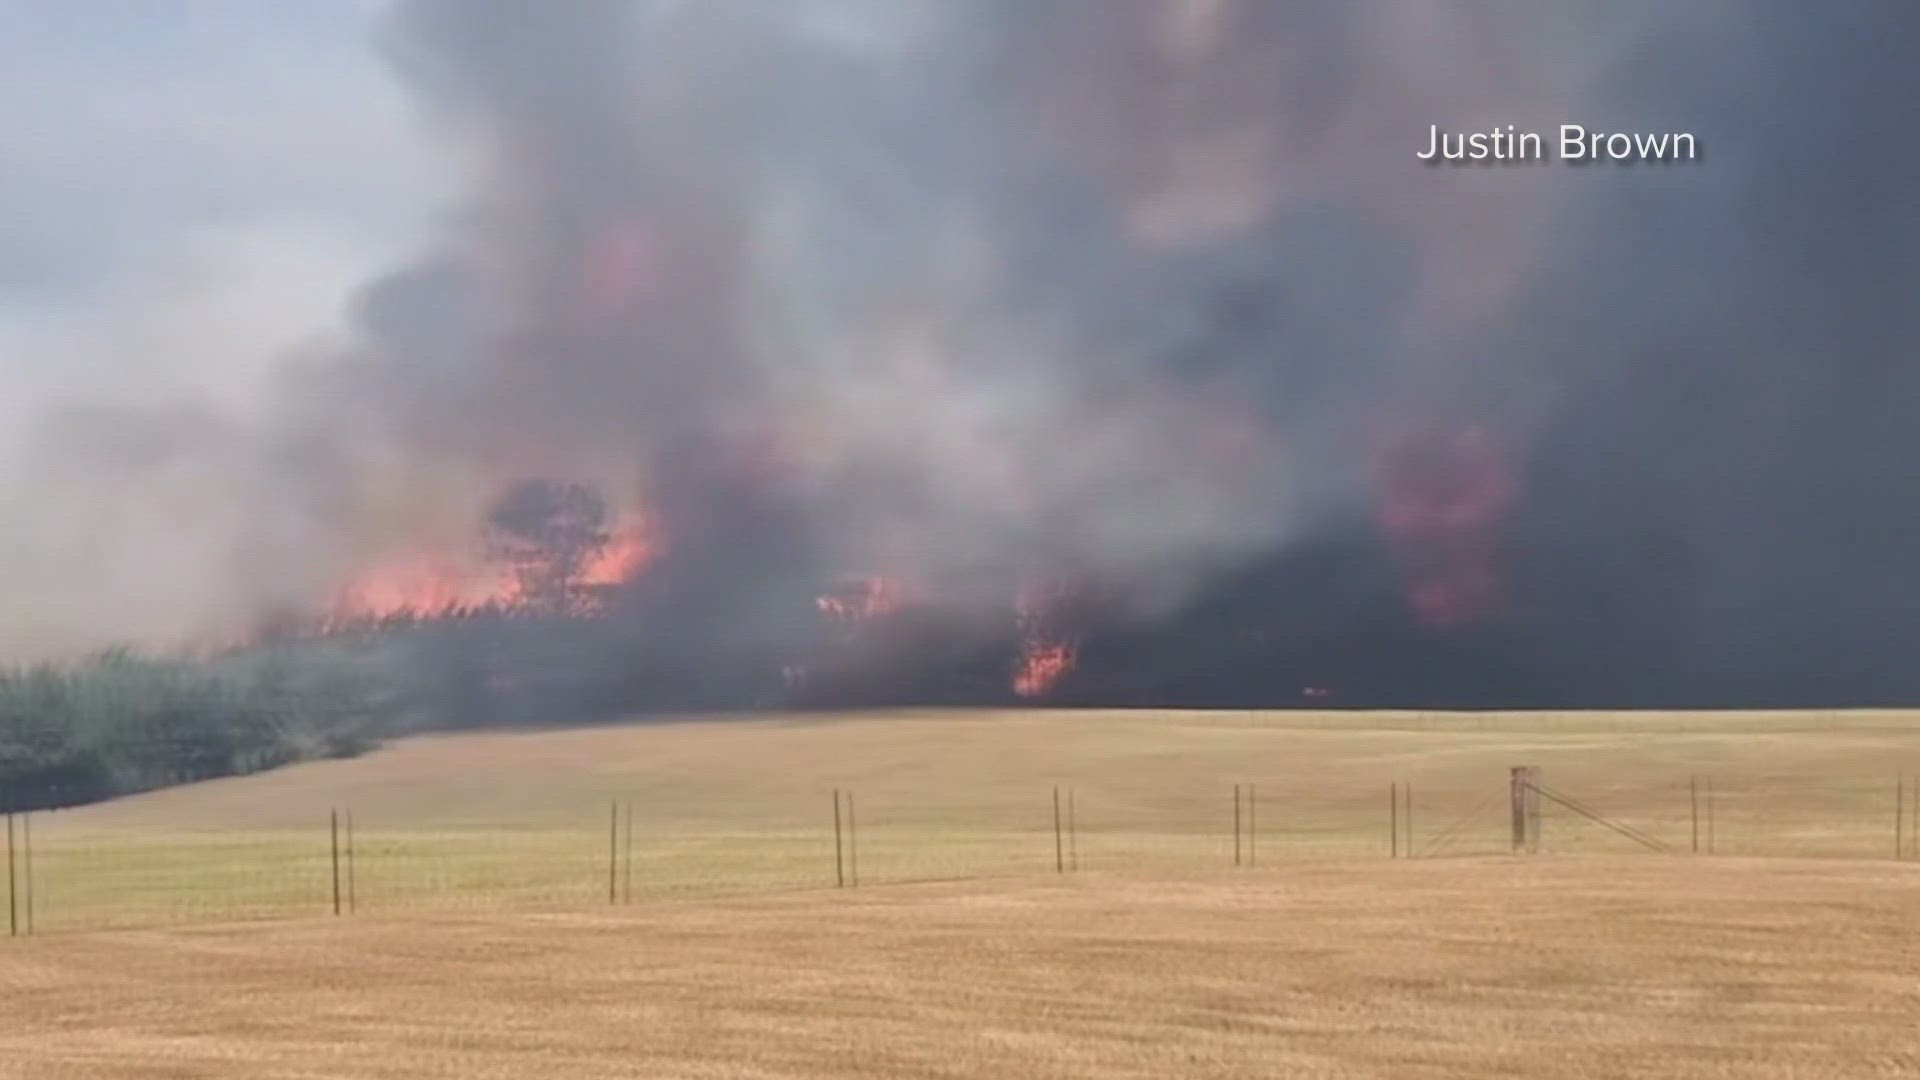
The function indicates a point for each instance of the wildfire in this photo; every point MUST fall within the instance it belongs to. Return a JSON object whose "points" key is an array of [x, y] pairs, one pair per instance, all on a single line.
{"points": [[1042, 666], [424, 585], [1047, 656], [1445, 500], [427, 584], [864, 600], [632, 546]]}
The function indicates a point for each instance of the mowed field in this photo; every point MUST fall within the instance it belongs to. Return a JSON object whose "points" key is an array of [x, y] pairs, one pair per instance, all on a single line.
{"points": [[189, 932]]}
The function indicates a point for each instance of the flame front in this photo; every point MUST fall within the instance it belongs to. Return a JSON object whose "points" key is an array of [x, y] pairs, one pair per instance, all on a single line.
{"points": [[1047, 654], [424, 584], [631, 548], [1042, 667]]}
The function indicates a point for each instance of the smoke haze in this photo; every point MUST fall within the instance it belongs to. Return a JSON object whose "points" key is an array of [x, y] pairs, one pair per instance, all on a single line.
{"points": [[1125, 292]]}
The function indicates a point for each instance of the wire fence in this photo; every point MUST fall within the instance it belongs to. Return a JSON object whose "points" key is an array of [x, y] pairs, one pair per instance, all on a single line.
{"points": [[67, 872]]}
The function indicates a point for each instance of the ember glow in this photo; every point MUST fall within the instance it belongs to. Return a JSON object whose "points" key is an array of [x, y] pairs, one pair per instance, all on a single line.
{"points": [[1048, 654], [622, 266], [1446, 497], [864, 600]]}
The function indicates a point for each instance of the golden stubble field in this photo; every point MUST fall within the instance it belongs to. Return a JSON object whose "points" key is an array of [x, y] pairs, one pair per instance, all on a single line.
{"points": [[187, 933], [1569, 967]]}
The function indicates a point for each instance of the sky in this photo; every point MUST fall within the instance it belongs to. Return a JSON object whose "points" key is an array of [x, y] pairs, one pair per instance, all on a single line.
{"points": [[189, 189]]}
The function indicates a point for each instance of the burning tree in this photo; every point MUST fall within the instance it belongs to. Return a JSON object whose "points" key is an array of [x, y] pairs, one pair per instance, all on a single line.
{"points": [[549, 535]]}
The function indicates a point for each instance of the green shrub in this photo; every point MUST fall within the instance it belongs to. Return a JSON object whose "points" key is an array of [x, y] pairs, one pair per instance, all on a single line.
{"points": [[119, 722]]}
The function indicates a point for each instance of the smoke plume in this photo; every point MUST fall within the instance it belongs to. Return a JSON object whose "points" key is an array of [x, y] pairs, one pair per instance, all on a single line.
{"points": [[1131, 293], [1117, 288]]}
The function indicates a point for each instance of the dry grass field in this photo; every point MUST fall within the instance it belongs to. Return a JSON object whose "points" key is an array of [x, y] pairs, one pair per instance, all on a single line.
{"points": [[187, 933], [520, 820], [1554, 967]]}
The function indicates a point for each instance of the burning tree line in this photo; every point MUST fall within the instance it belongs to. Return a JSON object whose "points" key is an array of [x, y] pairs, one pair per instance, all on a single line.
{"points": [[580, 612], [916, 362], [567, 594]]}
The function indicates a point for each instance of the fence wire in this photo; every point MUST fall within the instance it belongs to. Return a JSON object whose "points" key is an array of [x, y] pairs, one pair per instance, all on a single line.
{"points": [[68, 871]]}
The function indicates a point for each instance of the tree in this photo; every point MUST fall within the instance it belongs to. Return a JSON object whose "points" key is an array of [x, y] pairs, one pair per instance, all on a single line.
{"points": [[548, 533]]}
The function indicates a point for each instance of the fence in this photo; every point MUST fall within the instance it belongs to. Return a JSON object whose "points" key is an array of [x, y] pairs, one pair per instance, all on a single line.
{"points": [[66, 872]]}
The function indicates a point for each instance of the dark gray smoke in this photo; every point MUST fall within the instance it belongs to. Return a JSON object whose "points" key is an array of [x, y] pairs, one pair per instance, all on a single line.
{"points": [[1113, 287], [1128, 290], [1726, 496]]}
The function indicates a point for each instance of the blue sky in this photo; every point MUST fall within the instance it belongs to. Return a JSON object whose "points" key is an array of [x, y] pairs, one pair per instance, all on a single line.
{"points": [[188, 189]]}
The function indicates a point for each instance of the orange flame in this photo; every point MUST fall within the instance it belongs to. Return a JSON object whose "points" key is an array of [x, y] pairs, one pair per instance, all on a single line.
{"points": [[1042, 666], [632, 547], [1046, 657], [425, 584]]}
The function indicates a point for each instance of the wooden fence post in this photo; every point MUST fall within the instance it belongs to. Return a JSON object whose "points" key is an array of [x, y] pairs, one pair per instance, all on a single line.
{"points": [[1525, 800], [1517, 806], [839, 858], [613, 854], [1059, 848]]}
